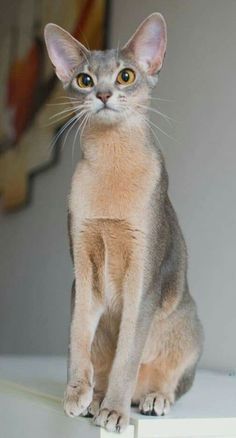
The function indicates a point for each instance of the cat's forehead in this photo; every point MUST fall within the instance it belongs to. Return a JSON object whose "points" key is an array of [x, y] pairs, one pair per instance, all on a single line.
{"points": [[104, 62]]}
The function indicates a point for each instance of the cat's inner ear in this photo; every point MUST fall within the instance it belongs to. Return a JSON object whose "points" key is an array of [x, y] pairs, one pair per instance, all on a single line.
{"points": [[65, 52], [148, 44]]}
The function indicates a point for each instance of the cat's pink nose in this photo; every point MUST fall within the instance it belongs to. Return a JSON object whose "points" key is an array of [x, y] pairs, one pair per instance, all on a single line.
{"points": [[104, 96]]}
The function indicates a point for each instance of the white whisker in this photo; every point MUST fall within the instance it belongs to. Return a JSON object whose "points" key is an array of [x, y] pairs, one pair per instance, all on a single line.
{"points": [[147, 123], [156, 126], [71, 109], [54, 122], [163, 132], [77, 131], [73, 124], [87, 117], [162, 100], [54, 141], [165, 116], [66, 97], [76, 108], [63, 103], [68, 131]]}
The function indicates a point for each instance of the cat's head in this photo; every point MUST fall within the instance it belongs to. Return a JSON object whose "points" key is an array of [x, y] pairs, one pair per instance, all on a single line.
{"points": [[109, 85]]}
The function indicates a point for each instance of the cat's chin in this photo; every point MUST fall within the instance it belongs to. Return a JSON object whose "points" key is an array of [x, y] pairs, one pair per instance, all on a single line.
{"points": [[108, 116]]}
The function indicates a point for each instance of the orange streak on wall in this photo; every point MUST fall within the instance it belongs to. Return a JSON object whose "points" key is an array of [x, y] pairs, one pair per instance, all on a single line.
{"points": [[22, 84]]}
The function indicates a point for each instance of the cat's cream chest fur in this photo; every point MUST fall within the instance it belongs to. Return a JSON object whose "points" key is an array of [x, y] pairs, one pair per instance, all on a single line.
{"points": [[115, 179]]}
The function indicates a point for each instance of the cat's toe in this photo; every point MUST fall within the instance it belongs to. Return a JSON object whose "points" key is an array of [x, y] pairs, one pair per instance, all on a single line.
{"points": [[93, 408], [111, 420], [154, 404], [77, 400]]}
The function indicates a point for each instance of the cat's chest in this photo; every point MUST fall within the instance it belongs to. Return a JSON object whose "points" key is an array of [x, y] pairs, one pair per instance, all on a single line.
{"points": [[116, 192]]}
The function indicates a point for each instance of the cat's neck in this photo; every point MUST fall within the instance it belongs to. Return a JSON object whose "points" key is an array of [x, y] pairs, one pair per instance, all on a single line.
{"points": [[121, 143]]}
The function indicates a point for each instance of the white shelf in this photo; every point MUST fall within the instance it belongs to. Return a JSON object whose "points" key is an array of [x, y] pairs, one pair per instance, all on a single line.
{"points": [[31, 389]]}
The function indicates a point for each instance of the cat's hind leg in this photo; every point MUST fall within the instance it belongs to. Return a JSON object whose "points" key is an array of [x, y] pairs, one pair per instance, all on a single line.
{"points": [[166, 378], [164, 388], [158, 402]]}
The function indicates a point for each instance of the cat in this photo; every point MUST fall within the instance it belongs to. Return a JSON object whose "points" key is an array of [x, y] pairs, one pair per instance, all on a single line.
{"points": [[135, 334]]}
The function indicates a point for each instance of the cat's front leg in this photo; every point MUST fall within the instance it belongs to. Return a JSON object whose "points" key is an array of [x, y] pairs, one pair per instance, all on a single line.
{"points": [[135, 322], [86, 313]]}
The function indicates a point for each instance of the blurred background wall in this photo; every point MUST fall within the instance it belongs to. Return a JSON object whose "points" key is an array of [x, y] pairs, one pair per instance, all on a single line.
{"points": [[198, 79]]}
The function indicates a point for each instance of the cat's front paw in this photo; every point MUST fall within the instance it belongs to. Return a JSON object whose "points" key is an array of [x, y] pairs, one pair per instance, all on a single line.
{"points": [[113, 420], [77, 398], [154, 403]]}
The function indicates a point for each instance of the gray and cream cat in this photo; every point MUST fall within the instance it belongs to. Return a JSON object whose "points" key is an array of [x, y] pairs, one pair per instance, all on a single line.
{"points": [[135, 334]]}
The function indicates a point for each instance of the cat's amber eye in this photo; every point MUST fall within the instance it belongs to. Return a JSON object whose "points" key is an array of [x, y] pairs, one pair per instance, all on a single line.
{"points": [[84, 80], [125, 77]]}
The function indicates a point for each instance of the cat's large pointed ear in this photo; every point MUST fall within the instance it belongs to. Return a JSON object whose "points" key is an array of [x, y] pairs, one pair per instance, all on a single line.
{"points": [[65, 52], [148, 44]]}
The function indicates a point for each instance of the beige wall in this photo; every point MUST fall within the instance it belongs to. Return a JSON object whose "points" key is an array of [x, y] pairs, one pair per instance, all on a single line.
{"points": [[199, 76]]}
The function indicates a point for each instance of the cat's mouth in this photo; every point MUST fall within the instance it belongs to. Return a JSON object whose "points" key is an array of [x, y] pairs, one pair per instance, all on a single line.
{"points": [[106, 108]]}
